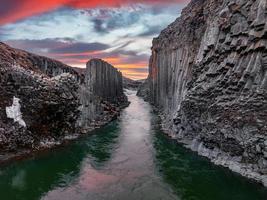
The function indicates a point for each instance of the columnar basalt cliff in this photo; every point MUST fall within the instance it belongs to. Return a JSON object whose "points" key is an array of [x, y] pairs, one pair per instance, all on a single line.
{"points": [[43, 101], [208, 76], [104, 80], [101, 94]]}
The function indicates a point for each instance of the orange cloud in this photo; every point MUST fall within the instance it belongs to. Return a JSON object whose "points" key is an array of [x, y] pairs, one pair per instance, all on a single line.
{"points": [[134, 75], [113, 60], [15, 10], [131, 66], [131, 70], [134, 71], [91, 53]]}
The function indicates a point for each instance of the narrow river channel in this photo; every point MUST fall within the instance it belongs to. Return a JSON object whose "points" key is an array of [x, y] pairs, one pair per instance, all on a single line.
{"points": [[129, 159]]}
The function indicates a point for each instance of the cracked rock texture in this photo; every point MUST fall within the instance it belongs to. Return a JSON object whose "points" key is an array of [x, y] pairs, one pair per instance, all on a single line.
{"points": [[101, 94], [44, 101], [208, 76], [132, 84]]}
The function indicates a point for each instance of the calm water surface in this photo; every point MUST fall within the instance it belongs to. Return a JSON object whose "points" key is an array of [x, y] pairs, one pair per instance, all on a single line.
{"points": [[130, 159]]}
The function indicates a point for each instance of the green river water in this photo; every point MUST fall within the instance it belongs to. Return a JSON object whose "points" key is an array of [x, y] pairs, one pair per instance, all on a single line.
{"points": [[129, 159]]}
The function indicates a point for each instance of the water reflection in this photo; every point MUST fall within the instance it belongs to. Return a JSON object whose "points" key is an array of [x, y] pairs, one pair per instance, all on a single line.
{"points": [[30, 179], [130, 173], [128, 159], [194, 177]]}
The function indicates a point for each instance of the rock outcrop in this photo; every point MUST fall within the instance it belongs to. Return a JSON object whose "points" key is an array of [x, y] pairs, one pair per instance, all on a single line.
{"points": [[143, 90], [101, 94], [39, 102], [35, 63], [132, 84], [44, 101], [103, 80], [208, 76]]}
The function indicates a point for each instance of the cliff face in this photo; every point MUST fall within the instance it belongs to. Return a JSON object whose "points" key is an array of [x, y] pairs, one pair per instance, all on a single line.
{"points": [[143, 90], [32, 107], [43, 101], [103, 79], [208, 75], [132, 84], [101, 94], [35, 63]]}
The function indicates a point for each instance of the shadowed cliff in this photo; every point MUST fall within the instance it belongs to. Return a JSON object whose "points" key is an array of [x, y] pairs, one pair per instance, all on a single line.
{"points": [[208, 76], [43, 101]]}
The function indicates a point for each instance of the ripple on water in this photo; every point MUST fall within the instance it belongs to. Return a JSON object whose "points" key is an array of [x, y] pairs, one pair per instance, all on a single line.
{"points": [[18, 181], [130, 159]]}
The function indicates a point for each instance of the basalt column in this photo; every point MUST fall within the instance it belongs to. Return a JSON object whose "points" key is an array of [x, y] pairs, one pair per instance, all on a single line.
{"points": [[104, 80], [101, 94], [208, 76], [43, 101]]}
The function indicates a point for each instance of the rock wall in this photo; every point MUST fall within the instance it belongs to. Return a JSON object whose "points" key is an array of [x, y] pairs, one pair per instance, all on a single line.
{"points": [[101, 94], [44, 101], [103, 80], [32, 107], [208, 76], [132, 84], [144, 90], [35, 63]]}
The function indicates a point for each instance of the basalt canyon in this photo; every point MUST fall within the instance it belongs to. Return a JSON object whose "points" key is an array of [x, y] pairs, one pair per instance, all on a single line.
{"points": [[208, 78], [133, 100], [44, 102]]}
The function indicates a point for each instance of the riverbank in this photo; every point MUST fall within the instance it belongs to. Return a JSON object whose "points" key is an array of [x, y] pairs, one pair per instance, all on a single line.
{"points": [[215, 155], [129, 158], [49, 143]]}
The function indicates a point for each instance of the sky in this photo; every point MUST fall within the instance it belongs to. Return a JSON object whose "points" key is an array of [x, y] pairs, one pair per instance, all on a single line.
{"points": [[75, 31]]}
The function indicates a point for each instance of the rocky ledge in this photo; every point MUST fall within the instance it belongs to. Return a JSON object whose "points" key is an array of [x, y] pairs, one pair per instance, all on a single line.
{"points": [[44, 102], [208, 77], [132, 84]]}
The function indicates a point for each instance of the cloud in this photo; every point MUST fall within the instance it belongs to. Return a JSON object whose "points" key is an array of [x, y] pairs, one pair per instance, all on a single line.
{"points": [[72, 52], [114, 20], [15, 10], [119, 32], [80, 47], [151, 31], [57, 46], [113, 26], [77, 54]]}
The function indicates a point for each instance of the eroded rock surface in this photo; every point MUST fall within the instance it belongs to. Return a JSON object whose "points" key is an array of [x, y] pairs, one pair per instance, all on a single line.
{"points": [[101, 94], [132, 84], [43, 101], [208, 76]]}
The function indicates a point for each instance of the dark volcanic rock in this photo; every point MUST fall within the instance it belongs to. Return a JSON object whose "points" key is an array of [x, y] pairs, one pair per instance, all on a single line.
{"points": [[39, 102], [143, 90], [208, 75], [35, 63], [132, 84], [44, 101], [101, 95], [103, 80]]}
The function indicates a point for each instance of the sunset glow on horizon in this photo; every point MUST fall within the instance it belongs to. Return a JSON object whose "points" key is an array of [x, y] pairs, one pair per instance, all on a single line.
{"points": [[75, 31]]}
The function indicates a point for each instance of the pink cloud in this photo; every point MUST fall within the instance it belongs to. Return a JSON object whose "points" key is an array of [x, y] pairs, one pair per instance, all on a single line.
{"points": [[16, 10]]}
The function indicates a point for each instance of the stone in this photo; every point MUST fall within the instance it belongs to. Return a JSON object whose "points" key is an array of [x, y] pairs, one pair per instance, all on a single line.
{"points": [[207, 77], [14, 112], [100, 94], [43, 100]]}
